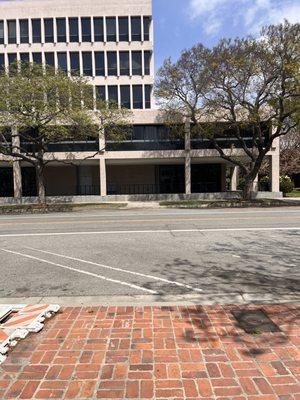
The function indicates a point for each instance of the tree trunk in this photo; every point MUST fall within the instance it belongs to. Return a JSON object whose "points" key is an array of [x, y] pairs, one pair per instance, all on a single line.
{"points": [[247, 192], [40, 184]]}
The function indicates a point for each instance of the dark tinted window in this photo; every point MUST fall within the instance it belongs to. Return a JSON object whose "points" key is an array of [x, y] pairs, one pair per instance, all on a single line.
{"points": [[111, 32], [147, 61], [12, 58], [136, 63], [36, 31], [12, 31], [137, 92], [49, 32], [62, 61], [61, 29], [112, 63], [1, 32], [113, 93], [24, 31], [87, 63], [147, 22], [75, 64], [136, 29], [123, 29], [24, 57], [148, 91], [98, 29], [125, 96], [99, 63], [100, 93], [86, 29], [49, 59], [37, 58], [124, 63], [73, 29], [2, 62]]}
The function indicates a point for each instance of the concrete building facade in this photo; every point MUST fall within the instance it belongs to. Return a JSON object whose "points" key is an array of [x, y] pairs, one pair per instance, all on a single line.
{"points": [[110, 42]]}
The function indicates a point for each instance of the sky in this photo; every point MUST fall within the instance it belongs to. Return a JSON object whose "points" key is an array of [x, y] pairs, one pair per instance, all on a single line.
{"points": [[179, 24]]}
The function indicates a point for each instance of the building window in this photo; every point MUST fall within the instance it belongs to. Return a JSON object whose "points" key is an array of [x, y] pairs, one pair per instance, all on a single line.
{"points": [[100, 93], [123, 29], [124, 63], [147, 62], [99, 63], [75, 63], [62, 61], [37, 58], [24, 57], [125, 96], [73, 30], [137, 63], [148, 92], [24, 31], [111, 31], [1, 32], [87, 63], [147, 23], [49, 59], [86, 29], [98, 29], [36, 31], [112, 63], [49, 31], [12, 31], [2, 63], [136, 29], [12, 57], [113, 94], [61, 30], [137, 92]]}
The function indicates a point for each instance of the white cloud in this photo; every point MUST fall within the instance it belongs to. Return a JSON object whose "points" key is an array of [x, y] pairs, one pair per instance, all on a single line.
{"points": [[253, 14]]}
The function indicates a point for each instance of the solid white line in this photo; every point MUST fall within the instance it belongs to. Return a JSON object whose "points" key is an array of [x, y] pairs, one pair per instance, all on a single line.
{"points": [[118, 269], [151, 231], [81, 271]]}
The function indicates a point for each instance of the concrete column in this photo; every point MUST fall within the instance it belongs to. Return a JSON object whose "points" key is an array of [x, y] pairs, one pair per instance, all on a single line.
{"points": [[234, 179], [17, 173], [103, 186], [255, 184], [187, 131], [275, 172]]}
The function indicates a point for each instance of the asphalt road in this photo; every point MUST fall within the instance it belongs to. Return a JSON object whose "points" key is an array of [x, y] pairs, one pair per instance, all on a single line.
{"points": [[157, 253]]}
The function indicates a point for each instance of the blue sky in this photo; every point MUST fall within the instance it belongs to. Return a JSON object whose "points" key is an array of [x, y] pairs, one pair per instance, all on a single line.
{"points": [[181, 23]]}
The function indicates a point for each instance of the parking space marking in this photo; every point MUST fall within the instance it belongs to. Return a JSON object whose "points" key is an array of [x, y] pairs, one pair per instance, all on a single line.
{"points": [[169, 231], [118, 269], [80, 271]]}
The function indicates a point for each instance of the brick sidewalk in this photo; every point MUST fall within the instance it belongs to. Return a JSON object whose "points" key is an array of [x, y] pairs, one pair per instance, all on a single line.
{"points": [[156, 353]]}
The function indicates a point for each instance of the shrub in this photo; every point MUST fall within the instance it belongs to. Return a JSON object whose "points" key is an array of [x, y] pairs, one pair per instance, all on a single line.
{"points": [[286, 184]]}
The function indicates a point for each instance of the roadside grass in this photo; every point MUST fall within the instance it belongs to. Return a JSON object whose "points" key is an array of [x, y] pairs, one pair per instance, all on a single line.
{"points": [[294, 193], [52, 208], [224, 203]]}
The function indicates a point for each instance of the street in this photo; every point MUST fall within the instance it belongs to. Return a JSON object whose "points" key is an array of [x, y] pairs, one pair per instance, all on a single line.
{"points": [[252, 253]]}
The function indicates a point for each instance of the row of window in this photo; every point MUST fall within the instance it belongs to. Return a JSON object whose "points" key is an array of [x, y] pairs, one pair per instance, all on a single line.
{"points": [[129, 96], [76, 30], [98, 63]]}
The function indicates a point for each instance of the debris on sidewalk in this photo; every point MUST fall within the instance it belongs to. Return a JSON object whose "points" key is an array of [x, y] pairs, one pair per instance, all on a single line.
{"points": [[17, 321]]}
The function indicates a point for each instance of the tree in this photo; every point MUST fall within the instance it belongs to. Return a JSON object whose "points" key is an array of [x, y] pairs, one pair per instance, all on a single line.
{"points": [[290, 154], [239, 85], [41, 106]]}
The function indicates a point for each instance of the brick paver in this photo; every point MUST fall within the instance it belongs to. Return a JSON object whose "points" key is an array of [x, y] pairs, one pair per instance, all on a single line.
{"points": [[156, 353]]}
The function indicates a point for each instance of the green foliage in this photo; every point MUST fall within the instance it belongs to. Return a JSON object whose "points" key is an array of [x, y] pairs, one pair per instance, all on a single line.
{"points": [[286, 184]]}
